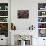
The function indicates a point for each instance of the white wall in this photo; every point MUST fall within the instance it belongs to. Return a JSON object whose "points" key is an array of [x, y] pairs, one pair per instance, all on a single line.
{"points": [[23, 24]]}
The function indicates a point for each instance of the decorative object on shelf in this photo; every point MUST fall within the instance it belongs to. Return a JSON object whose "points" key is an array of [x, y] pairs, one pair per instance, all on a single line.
{"points": [[45, 7], [24, 37], [41, 13], [42, 32], [41, 25], [4, 26], [31, 27], [23, 40], [0, 7], [41, 6], [3, 19], [4, 29], [3, 13], [23, 14], [44, 41], [3, 6], [13, 27], [6, 7], [41, 19]]}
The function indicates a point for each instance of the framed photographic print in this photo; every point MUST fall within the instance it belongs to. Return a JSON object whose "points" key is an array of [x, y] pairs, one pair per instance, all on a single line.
{"points": [[23, 14]]}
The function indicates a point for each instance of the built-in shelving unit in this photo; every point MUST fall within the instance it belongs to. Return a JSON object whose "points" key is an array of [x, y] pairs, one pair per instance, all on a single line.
{"points": [[4, 19], [42, 19]]}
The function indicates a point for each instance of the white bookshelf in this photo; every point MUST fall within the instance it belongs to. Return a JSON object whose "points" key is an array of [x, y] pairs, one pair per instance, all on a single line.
{"points": [[8, 22], [4, 17], [42, 19]]}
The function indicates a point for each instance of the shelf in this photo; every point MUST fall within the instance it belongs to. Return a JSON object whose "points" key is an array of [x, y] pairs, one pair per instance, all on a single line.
{"points": [[3, 22], [41, 28], [41, 10], [3, 10], [42, 16], [3, 16], [41, 22]]}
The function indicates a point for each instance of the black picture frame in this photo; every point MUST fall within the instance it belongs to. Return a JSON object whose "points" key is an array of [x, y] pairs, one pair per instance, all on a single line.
{"points": [[23, 14]]}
